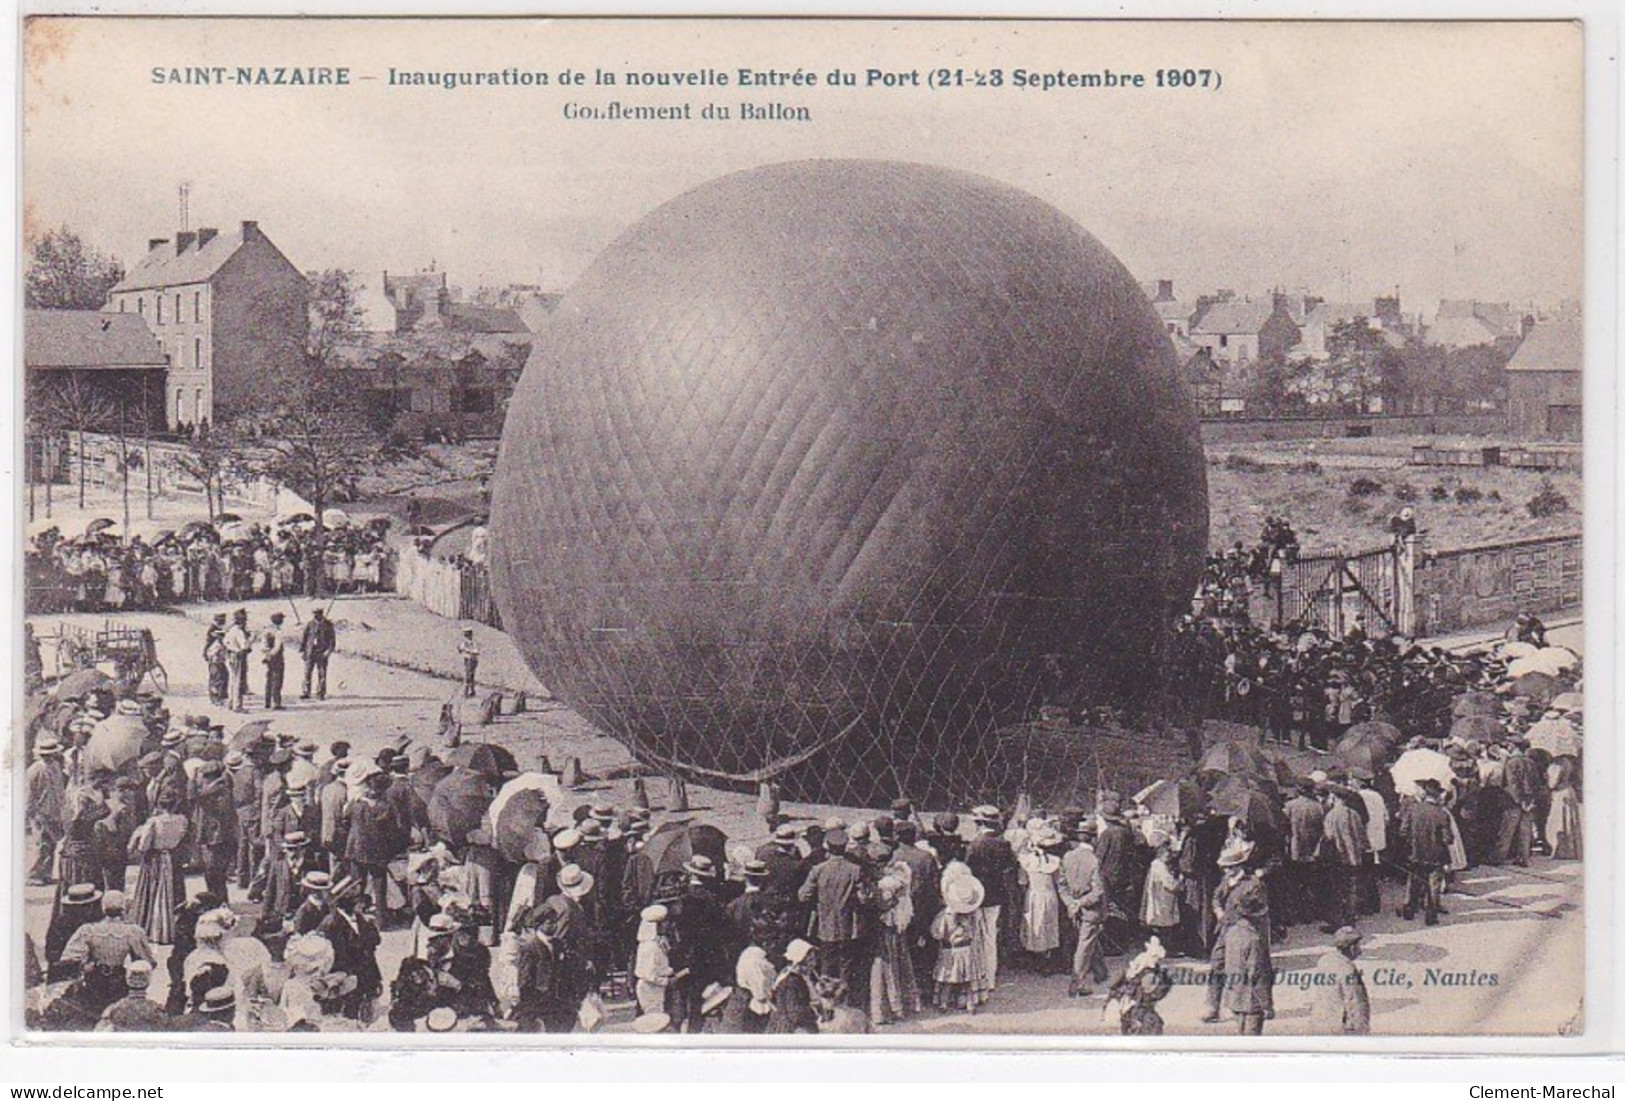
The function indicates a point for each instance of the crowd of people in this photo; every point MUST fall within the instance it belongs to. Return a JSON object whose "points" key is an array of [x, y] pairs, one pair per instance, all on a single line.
{"points": [[230, 560], [308, 858]]}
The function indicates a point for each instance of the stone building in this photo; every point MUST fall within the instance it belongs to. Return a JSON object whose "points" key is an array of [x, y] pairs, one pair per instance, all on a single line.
{"points": [[228, 309]]}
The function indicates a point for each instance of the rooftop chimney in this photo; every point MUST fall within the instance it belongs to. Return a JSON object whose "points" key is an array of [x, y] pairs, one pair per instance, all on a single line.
{"points": [[1165, 290], [156, 242], [251, 230], [204, 236], [183, 240]]}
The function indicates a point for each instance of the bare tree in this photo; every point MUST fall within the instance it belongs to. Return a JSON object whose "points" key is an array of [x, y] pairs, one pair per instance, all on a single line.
{"points": [[68, 402]]}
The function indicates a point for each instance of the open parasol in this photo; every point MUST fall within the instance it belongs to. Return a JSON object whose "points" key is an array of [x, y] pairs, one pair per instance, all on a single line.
{"points": [[1238, 797], [1376, 728], [97, 526], [669, 848], [1366, 750], [1237, 758], [516, 822], [485, 758], [1420, 764], [1556, 736], [114, 742], [81, 683], [1553, 661], [249, 733], [1475, 703], [458, 805], [1477, 728], [1539, 687], [1569, 701], [1177, 799]]}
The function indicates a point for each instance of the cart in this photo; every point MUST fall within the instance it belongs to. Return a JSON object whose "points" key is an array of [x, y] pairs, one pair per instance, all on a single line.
{"points": [[131, 651]]}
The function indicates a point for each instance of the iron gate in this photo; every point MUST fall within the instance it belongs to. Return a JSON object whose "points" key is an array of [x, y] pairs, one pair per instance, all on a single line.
{"points": [[1330, 591]]}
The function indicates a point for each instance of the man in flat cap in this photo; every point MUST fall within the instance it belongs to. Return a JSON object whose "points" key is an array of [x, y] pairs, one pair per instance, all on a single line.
{"points": [[1341, 1005]]}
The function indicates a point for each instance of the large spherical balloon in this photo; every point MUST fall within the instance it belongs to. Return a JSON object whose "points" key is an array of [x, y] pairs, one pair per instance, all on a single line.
{"points": [[830, 470]]}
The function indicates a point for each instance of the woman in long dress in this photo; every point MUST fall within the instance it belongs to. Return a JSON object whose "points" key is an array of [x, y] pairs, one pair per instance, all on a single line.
{"points": [[978, 979], [893, 992], [160, 884], [1563, 824], [1041, 911]]}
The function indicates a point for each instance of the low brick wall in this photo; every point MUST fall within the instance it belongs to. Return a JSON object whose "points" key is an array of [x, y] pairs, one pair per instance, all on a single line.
{"points": [[1230, 430], [1475, 586]]}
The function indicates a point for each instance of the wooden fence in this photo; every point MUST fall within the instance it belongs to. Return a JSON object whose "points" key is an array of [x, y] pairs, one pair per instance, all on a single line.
{"points": [[451, 589]]}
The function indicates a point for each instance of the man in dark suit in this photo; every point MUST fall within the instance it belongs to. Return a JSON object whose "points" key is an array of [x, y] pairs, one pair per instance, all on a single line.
{"points": [[835, 891], [1424, 840], [993, 862]]}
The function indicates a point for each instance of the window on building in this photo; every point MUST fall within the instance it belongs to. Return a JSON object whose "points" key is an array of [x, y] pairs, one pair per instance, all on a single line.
{"points": [[177, 307], [141, 306], [197, 353], [197, 406], [180, 407], [197, 305], [160, 300], [121, 305], [1224, 341]]}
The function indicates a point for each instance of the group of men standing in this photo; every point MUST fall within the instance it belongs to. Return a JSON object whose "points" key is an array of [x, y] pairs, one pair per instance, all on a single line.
{"points": [[228, 649]]}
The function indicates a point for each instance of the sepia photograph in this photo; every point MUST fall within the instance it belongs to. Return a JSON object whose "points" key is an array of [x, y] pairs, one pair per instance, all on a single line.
{"points": [[732, 531]]}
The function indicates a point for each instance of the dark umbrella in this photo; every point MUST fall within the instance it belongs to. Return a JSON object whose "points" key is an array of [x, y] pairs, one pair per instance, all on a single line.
{"points": [[1236, 797], [457, 807], [1481, 728], [199, 527], [81, 683], [1236, 758], [1174, 799], [422, 782], [249, 733], [522, 813], [1475, 703], [483, 757], [228, 518], [1388, 732], [1541, 687], [96, 527], [670, 847], [1365, 753]]}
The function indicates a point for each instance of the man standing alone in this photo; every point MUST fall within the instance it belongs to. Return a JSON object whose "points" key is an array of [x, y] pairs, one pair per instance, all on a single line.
{"points": [[316, 645], [237, 645], [470, 651], [273, 652]]}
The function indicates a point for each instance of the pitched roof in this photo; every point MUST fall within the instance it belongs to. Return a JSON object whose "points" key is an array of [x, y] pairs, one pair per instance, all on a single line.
{"points": [[1330, 313], [1460, 332], [1498, 317], [1555, 345], [161, 267], [1232, 318], [1174, 311], [483, 319], [89, 339]]}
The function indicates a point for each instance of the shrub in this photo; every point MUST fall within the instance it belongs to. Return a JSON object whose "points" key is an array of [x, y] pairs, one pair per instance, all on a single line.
{"points": [[1439, 493], [1364, 487], [1493, 495], [1406, 492], [1466, 495], [1549, 501], [1242, 464], [1356, 506]]}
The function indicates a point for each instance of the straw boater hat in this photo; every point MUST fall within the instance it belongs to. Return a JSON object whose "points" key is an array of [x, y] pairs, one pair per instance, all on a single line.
{"points": [[137, 974], [173, 738], [755, 869], [1346, 937], [295, 838], [235, 760], [714, 997], [797, 950], [127, 707], [591, 829], [442, 1018], [575, 883], [604, 813], [785, 836], [835, 841], [701, 865], [81, 894], [963, 895], [1234, 853], [306, 749], [219, 1002], [315, 880], [566, 839]]}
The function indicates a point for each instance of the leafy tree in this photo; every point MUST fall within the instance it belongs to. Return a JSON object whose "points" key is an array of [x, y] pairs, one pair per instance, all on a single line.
{"points": [[212, 456], [1274, 388], [64, 273], [307, 427], [1363, 365]]}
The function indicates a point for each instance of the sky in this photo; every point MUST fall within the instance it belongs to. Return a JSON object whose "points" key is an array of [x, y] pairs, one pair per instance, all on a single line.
{"points": [[1347, 159]]}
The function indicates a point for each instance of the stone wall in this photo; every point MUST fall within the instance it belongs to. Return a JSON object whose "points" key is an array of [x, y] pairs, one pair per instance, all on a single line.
{"points": [[1478, 586], [1231, 430]]}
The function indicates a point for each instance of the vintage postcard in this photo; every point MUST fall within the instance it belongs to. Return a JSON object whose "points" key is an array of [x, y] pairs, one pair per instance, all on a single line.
{"points": [[752, 529]]}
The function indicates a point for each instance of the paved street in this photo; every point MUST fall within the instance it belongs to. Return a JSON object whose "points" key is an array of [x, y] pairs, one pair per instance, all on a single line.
{"points": [[1512, 937]]}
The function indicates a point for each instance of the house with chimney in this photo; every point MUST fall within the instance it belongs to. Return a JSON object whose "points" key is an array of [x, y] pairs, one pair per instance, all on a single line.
{"points": [[227, 309], [1544, 381], [1322, 318], [1462, 323], [1237, 332]]}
